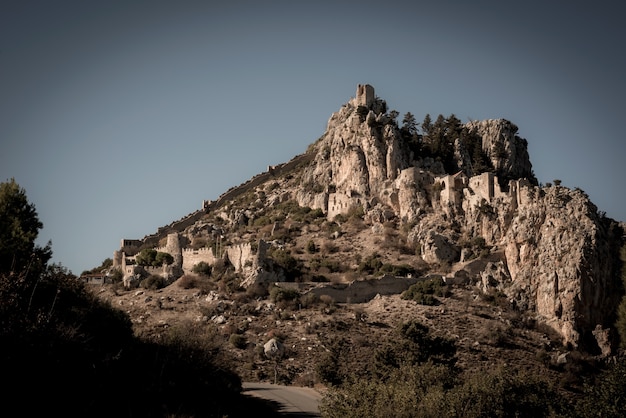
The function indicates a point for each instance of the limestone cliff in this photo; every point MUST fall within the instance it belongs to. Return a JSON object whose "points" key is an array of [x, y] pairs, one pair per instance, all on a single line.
{"points": [[506, 150], [358, 157], [563, 260], [557, 256]]}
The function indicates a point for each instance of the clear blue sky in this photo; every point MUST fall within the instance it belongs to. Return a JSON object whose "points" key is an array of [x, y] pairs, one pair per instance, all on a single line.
{"points": [[118, 117]]}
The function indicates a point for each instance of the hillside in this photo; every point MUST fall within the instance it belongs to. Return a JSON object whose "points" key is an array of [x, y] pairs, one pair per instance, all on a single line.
{"points": [[319, 253]]}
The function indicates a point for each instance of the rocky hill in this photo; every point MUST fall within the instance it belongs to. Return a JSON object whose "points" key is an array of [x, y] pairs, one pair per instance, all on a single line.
{"points": [[409, 202]]}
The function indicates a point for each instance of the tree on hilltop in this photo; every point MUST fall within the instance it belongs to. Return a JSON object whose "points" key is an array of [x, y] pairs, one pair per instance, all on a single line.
{"points": [[19, 228], [409, 125]]}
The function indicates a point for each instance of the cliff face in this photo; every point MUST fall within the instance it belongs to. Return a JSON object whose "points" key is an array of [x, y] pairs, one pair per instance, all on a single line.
{"points": [[507, 151], [563, 259], [358, 157], [557, 256]]}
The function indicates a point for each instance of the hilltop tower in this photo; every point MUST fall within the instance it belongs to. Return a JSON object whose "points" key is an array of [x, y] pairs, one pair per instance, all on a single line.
{"points": [[174, 248], [364, 95]]}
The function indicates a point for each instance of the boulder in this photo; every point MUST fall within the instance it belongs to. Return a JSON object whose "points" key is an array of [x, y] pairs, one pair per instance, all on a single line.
{"points": [[437, 248], [274, 349]]}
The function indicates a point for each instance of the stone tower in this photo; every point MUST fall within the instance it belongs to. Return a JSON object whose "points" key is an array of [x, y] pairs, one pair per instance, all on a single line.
{"points": [[364, 95], [173, 247]]}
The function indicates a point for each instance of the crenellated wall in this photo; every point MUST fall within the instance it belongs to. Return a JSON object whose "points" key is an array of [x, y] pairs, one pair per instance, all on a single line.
{"points": [[191, 257]]}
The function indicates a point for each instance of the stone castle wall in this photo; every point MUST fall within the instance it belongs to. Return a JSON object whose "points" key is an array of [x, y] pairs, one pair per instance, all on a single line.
{"points": [[192, 257], [361, 291], [240, 255], [339, 203], [232, 193]]}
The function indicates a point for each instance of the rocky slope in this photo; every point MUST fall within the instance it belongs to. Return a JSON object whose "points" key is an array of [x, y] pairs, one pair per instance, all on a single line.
{"points": [[456, 199], [558, 255]]}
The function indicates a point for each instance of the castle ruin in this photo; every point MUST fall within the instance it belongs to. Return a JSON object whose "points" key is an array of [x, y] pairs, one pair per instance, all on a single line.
{"points": [[365, 95]]}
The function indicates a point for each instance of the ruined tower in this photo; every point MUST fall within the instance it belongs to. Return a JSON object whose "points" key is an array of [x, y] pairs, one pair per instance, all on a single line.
{"points": [[364, 95], [174, 248]]}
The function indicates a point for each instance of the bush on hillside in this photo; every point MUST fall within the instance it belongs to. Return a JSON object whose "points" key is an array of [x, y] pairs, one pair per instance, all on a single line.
{"points": [[153, 282], [423, 292]]}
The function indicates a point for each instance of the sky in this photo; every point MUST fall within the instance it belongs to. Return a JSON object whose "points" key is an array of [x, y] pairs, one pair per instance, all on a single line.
{"points": [[119, 117]]}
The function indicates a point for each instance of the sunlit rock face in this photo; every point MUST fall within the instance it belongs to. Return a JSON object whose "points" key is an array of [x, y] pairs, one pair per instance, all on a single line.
{"points": [[559, 255]]}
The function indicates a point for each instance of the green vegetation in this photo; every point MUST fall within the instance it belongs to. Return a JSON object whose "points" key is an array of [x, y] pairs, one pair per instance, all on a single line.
{"points": [[621, 310], [415, 376], [19, 228], [74, 355], [436, 140], [354, 213], [202, 268], [153, 282], [423, 292], [152, 257], [326, 265], [604, 396], [284, 260], [374, 265], [107, 263], [286, 209], [283, 294]]}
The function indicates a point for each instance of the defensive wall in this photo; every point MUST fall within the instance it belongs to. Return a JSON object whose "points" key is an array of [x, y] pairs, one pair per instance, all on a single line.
{"points": [[191, 257], [229, 195], [483, 187], [361, 291]]}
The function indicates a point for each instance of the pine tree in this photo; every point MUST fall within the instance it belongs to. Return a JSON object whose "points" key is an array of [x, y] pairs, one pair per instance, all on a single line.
{"points": [[19, 228]]}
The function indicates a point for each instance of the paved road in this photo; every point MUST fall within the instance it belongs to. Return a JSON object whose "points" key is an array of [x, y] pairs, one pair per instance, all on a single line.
{"points": [[294, 401]]}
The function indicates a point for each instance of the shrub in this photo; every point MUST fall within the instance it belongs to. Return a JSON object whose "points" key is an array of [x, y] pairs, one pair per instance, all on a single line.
{"points": [[153, 282], [397, 270], [422, 292], [502, 393], [311, 248], [150, 257], [116, 276], [328, 368], [146, 257], [188, 281], [330, 247], [284, 260], [329, 304], [371, 264], [325, 265], [202, 268], [238, 341], [309, 300], [606, 396], [280, 294]]}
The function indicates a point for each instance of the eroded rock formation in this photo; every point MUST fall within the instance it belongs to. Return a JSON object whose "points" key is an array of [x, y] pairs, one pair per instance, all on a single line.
{"points": [[559, 256]]}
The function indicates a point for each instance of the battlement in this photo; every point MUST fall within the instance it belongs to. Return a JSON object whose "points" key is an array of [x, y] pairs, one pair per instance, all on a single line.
{"points": [[203, 250]]}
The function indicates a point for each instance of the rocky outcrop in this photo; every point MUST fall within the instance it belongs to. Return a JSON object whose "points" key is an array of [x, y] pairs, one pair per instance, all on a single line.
{"points": [[558, 254], [563, 260], [358, 157], [274, 349], [507, 151]]}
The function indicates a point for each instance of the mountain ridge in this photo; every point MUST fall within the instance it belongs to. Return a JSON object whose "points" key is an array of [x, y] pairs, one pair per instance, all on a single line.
{"points": [[459, 191]]}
